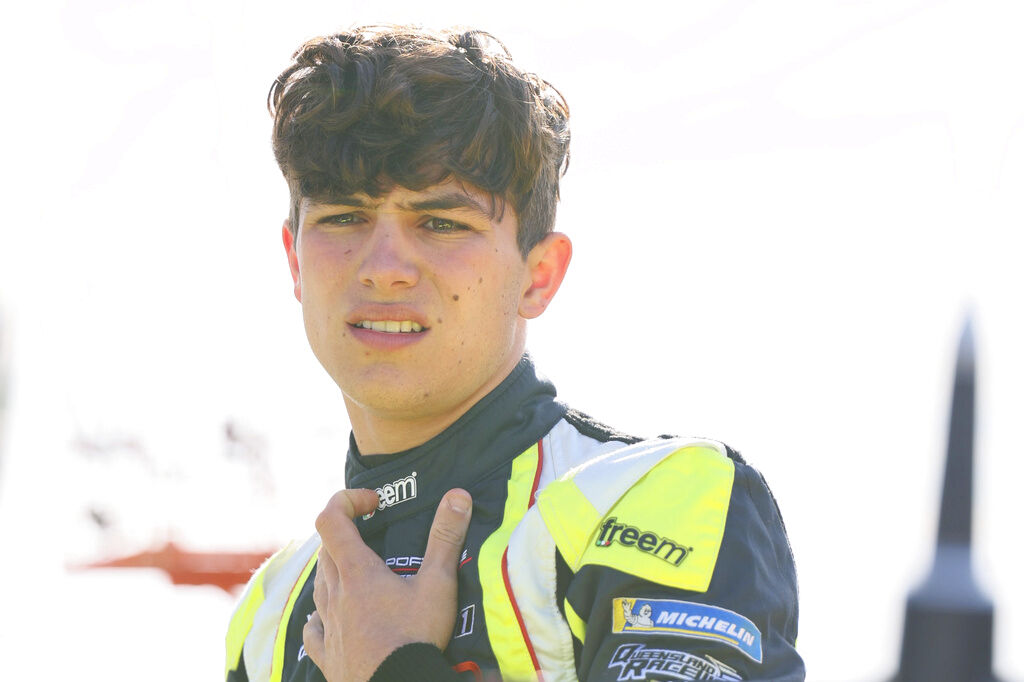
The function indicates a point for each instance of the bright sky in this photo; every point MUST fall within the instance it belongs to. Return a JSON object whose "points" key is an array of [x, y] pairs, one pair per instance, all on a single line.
{"points": [[780, 211]]}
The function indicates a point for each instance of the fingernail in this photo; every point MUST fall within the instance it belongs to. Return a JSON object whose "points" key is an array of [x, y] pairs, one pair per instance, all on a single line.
{"points": [[458, 503]]}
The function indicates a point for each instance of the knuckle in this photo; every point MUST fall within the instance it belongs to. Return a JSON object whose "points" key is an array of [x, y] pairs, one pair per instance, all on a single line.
{"points": [[311, 634], [322, 519], [320, 598], [338, 504], [447, 534], [312, 631]]}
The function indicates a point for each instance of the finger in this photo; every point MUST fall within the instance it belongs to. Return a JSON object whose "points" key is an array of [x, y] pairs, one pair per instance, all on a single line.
{"points": [[335, 525], [326, 576], [354, 502], [448, 533], [313, 639]]}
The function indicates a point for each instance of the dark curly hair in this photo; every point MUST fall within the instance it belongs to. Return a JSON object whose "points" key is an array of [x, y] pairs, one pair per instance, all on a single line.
{"points": [[384, 106]]}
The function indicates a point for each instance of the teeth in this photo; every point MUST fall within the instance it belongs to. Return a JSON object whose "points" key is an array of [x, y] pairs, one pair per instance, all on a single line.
{"points": [[391, 326]]}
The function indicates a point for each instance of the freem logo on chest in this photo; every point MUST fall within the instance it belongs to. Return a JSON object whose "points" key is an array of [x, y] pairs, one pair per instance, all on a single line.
{"points": [[393, 493]]}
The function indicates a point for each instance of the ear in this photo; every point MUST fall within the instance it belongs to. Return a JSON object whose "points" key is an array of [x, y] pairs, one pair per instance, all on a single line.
{"points": [[546, 264], [293, 259]]}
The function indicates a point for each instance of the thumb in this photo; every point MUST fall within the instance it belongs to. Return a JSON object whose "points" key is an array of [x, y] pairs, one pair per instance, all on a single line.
{"points": [[447, 533]]}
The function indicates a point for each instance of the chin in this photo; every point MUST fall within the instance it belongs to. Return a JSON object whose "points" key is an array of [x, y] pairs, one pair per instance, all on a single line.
{"points": [[404, 407], [398, 396]]}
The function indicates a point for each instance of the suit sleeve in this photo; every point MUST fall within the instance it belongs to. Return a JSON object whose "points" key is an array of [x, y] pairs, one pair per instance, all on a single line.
{"points": [[421, 661], [742, 627]]}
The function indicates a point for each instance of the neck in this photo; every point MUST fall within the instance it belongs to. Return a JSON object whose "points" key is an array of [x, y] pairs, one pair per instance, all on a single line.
{"points": [[384, 433]]}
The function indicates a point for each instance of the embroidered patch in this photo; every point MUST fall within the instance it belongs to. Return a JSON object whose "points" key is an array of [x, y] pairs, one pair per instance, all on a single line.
{"points": [[396, 492], [646, 541], [686, 619], [636, 661]]}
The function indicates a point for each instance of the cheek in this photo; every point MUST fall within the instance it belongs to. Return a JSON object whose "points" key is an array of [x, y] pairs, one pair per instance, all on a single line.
{"points": [[485, 300], [321, 254], [495, 300], [324, 274]]}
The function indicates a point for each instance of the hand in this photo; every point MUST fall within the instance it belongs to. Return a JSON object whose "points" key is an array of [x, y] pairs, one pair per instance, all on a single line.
{"points": [[363, 610]]}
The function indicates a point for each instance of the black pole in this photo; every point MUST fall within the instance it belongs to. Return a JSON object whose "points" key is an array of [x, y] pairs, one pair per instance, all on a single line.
{"points": [[947, 634], [4, 381]]}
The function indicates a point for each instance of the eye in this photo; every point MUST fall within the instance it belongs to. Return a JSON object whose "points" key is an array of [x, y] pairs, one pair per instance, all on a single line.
{"points": [[342, 219], [444, 225]]}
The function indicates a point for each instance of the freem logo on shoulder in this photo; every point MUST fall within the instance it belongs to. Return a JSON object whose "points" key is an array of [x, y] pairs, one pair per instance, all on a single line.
{"points": [[393, 493], [646, 541]]}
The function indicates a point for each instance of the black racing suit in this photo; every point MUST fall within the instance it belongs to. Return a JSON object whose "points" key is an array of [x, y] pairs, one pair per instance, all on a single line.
{"points": [[591, 555]]}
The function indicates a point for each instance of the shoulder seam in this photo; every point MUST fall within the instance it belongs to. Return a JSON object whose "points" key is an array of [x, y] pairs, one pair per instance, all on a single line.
{"points": [[735, 456], [590, 427], [731, 452]]}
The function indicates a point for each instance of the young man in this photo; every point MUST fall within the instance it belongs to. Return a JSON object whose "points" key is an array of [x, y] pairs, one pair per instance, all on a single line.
{"points": [[487, 531]]}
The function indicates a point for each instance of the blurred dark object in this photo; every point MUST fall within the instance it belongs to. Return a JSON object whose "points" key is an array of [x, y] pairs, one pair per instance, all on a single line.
{"points": [[5, 350], [226, 570], [249, 447], [100, 518], [947, 633]]}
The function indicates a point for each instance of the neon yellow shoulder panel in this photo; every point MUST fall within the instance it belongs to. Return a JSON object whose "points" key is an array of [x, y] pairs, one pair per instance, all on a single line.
{"points": [[244, 615], [257, 626], [658, 514]]}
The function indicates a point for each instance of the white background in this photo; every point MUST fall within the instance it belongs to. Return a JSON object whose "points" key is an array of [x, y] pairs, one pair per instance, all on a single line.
{"points": [[781, 213]]}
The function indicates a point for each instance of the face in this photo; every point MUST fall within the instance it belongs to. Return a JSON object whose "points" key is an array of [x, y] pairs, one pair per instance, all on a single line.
{"points": [[415, 302]]}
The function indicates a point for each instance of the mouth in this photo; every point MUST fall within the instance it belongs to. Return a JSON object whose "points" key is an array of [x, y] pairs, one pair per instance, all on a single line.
{"points": [[391, 326]]}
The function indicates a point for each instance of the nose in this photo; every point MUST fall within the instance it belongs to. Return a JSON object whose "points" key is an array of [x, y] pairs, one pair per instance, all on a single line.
{"points": [[388, 259]]}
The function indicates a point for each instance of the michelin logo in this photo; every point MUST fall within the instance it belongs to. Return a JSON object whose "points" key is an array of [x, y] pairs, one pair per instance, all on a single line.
{"points": [[397, 492], [686, 619], [637, 662]]}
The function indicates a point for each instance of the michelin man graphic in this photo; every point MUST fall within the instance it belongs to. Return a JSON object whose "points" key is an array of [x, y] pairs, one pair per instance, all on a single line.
{"points": [[637, 620]]}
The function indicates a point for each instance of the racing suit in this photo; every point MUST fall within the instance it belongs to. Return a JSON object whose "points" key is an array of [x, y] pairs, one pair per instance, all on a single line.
{"points": [[591, 555]]}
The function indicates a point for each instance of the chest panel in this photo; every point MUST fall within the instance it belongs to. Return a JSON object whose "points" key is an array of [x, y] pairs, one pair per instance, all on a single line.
{"points": [[401, 545]]}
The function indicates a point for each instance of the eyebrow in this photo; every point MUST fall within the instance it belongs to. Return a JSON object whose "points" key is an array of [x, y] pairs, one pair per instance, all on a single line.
{"points": [[347, 200], [447, 201]]}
